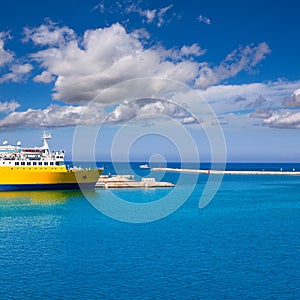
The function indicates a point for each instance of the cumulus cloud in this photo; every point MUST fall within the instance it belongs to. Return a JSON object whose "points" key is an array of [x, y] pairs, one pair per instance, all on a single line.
{"points": [[221, 96], [52, 116], [44, 77], [49, 34], [293, 100], [64, 116], [203, 19], [284, 119], [105, 57], [18, 71], [83, 68], [146, 108], [229, 111], [6, 56], [228, 100], [241, 59]]}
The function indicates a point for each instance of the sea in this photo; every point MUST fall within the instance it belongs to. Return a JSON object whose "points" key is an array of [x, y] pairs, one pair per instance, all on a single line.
{"points": [[243, 244]]}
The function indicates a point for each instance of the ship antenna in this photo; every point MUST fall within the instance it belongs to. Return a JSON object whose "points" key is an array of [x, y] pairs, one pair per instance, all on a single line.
{"points": [[46, 136]]}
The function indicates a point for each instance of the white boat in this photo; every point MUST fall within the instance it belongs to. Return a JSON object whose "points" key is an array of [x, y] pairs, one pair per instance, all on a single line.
{"points": [[127, 181], [145, 166]]}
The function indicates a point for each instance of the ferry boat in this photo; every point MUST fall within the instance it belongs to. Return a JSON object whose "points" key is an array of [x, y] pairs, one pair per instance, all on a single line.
{"points": [[40, 169]]}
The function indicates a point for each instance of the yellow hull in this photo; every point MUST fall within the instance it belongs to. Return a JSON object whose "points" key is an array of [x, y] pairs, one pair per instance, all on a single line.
{"points": [[56, 177]]}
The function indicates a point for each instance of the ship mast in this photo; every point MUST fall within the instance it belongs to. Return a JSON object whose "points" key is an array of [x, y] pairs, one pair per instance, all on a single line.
{"points": [[46, 136]]}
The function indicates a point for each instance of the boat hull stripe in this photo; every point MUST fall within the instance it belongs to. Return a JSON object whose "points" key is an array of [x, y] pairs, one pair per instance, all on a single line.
{"points": [[60, 186]]}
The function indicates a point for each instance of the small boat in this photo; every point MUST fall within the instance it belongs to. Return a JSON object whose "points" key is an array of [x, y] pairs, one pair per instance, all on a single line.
{"points": [[145, 166]]}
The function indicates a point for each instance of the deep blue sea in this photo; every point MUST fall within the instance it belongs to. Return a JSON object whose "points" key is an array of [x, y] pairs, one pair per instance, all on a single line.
{"points": [[245, 244]]}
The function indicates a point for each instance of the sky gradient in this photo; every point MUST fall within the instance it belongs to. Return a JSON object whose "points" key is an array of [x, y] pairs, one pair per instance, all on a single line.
{"points": [[58, 59]]}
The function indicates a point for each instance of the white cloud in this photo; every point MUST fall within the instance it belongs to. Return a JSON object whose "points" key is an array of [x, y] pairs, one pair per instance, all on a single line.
{"points": [[149, 14], [194, 49], [189, 120], [8, 106], [263, 98], [161, 14], [52, 116], [293, 100], [203, 19], [284, 119], [6, 56], [82, 69], [297, 93], [49, 34], [63, 116], [105, 57], [222, 99], [44, 77], [17, 73], [238, 60], [140, 34], [155, 16], [229, 98], [146, 108]]}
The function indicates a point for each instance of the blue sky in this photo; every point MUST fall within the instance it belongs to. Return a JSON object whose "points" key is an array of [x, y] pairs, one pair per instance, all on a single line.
{"points": [[58, 58]]}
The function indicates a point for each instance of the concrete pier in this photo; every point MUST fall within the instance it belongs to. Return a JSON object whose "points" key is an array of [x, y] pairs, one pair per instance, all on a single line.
{"points": [[228, 172]]}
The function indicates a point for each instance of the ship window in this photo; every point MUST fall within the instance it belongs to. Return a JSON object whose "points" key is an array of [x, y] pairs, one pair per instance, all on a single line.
{"points": [[34, 163], [16, 163], [22, 163], [40, 163], [51, 163], [57, 163], [45, 163], [28, 163]]}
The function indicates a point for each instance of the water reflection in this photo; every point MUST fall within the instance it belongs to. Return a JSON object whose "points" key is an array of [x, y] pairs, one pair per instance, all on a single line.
{"points": [[51, 197]]}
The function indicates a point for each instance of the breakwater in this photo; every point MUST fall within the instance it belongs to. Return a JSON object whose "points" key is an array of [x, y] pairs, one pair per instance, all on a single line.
{"points": [[228, 172]]}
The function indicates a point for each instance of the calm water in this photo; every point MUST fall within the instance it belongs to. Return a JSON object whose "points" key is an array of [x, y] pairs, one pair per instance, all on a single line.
{"points": [[244, 244]]}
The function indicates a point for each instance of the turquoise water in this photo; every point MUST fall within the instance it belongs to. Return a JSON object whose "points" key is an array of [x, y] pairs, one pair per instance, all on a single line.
{"points": [[244, 244]]}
